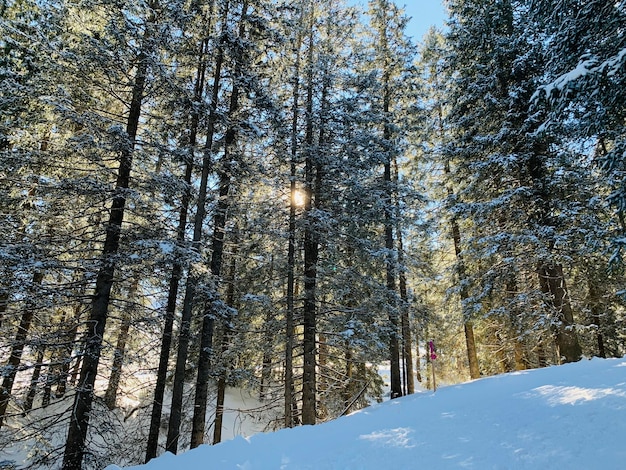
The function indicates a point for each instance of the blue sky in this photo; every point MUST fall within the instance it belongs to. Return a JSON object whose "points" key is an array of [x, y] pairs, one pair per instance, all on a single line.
{"points": [[424, 13]]}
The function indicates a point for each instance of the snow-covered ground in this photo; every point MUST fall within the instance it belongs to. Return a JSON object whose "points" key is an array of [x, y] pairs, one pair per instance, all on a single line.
{"points": [[119, 436], [564, 417]]}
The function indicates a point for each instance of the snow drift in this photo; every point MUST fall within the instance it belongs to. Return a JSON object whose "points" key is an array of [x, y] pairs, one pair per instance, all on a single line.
{"points": [[571, 416]]}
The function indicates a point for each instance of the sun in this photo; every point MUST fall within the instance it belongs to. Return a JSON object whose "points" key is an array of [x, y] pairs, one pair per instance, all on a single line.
{"points": [[299, 198]]}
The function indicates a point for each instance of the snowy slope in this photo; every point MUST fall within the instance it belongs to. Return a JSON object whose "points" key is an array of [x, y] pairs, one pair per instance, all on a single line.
{"points": [[565, 417]]}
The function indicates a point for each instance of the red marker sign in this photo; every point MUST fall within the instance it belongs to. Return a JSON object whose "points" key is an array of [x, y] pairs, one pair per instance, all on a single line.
{"points": [[433, 353]]}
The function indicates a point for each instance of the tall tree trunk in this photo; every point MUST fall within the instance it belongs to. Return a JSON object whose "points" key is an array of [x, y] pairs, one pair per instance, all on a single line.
{"points": [[407, 343], [16, 351], [519, 352], [390, 262], [177, 267], [110, 396], [291, 250], [468, 325], [418, 373], [394, 343], [513, 325], [176, 411], [79, 420], [551, 277], [309, 386], [217, 254], [210, 314], [552, 282]]}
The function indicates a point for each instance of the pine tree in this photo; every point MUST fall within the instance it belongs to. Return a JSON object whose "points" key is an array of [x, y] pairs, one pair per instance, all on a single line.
{"points": [[392, 56], [584, 84], [503, 160], [79, 422]]}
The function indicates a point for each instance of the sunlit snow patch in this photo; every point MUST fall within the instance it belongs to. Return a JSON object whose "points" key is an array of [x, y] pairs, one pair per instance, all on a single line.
{"points": [[399, 437], [556, 395]]}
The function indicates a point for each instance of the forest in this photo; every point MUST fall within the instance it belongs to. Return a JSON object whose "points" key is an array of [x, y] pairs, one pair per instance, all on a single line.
{"points": [[281, 196]]}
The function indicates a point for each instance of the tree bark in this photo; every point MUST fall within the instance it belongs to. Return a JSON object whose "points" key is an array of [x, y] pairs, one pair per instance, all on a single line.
{"points": [[291, 249], [390, 262], [217, 254], [79, 420], [226, 336], [268, 334], [323, 386], [177, 267], [70, 338], [405, 319], [176, 410], [34, 380], [552, 282], [4, 302], [468, 327], [110, 396], [310, 253]]}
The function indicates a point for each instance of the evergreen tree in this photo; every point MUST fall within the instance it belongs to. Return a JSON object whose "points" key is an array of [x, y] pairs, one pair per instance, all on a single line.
{"points": [[505, 166], [584, 83]]}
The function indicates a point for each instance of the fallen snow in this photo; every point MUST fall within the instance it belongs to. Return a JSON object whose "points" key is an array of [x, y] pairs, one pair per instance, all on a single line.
{"points": [[587, 66], [571, 416]]}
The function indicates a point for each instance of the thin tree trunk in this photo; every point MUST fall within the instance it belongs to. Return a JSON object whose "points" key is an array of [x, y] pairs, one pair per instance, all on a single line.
{"points": [[79, 419], [70, 338], [47, 388], [347, 389], [394, 343], [470, 343], [76, 370], [34, 380], [176, 410], [519, 352], [542, 360], [418, 373], [16, 352], [219, 225], [177, 267], [268, 333], [323, 382], [520, 355], [407, 343], [468, 325], [4, 302], [314, 200]]}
